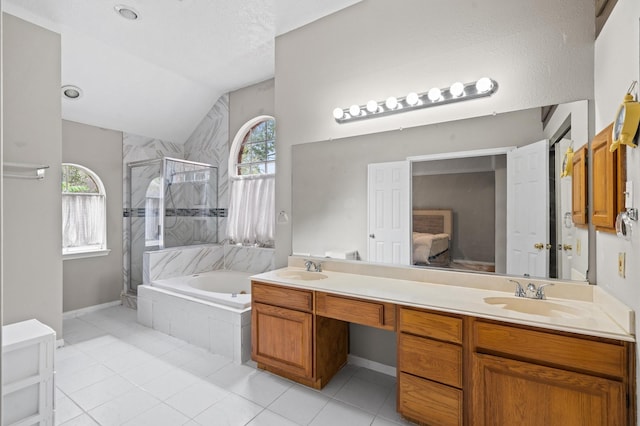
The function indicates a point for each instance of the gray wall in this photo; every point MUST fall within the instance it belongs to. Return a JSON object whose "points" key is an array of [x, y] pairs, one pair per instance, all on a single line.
{"points": [[32, 214], [471, 196], [250, 102], [96, 280]]}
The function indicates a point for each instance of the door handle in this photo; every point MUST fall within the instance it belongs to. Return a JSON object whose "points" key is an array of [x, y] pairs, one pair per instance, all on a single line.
{"points": [[372, 235], [538, 246], [567, 247]]}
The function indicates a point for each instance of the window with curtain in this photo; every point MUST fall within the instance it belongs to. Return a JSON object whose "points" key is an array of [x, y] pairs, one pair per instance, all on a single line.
{"points": [[252, 166], [84, 216]]}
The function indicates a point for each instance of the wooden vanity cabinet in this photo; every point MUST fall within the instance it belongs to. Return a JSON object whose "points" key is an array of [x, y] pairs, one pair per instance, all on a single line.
{"points": [[609, 175], [527, 376], [289, 340], [430, 367]]}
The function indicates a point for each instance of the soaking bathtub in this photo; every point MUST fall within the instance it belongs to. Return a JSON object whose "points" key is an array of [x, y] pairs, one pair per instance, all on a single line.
{"points": [[211, 310], [230, 288]]}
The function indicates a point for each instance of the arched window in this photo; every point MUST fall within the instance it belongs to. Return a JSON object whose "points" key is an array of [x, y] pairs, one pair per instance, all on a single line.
{"points": [[84, 219], [252, 167]]}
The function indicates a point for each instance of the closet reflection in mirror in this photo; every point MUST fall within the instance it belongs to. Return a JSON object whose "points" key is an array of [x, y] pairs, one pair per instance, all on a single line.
{"points": [[332, 207]]}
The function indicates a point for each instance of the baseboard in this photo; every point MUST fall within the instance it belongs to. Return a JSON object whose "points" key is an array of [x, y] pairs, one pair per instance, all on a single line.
{"points": [[371, 365], [88, 309]]}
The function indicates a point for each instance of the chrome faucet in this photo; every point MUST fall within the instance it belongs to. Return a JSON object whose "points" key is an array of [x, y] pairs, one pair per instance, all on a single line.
{"points": [[317, 267], [531, 292]]}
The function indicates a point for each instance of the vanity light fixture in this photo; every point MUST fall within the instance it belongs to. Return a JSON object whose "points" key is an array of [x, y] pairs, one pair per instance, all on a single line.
{"points": [[434, 96]]}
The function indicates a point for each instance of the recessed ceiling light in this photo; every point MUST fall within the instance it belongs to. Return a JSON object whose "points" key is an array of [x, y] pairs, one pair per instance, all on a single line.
{"points": [[71, 92], [127, 12]]}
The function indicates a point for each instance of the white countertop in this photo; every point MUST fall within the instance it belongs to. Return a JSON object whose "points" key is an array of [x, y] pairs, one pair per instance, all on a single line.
{"points": [[593, 317]]}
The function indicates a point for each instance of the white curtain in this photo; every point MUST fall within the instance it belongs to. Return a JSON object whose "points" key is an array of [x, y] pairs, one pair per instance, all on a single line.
{"points": [[83, 220], [251, 218]]}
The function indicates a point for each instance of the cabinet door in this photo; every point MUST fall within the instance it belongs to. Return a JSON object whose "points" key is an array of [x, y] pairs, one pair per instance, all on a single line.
{"points": [[609, 174], [282, 338], [508, 392]]}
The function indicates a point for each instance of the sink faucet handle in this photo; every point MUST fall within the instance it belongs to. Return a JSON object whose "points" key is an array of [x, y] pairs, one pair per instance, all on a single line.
{"points": [[308, 264], [540, 291], [519, 290], [318, 266]]}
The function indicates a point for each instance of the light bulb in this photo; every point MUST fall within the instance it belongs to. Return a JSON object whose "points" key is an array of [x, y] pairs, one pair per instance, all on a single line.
{"points": [[372, 106], [412, 98], [434, 94], [457, 89], [354, 110], [484, 85], [338, 113], [391, 102]]}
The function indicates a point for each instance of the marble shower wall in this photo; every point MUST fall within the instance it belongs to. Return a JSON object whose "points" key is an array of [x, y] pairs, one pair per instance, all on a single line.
{"points": [[209, 143], [170, 263]]}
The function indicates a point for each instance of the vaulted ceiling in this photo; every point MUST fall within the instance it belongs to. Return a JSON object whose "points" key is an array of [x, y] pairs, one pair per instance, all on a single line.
{"points": [[159, 75]]}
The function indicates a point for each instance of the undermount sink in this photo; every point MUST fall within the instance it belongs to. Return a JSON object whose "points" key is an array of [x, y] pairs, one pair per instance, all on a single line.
{"points": [[301, 275], [535, 307]]}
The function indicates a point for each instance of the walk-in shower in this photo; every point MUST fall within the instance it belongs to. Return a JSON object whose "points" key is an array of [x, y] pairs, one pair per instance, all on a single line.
{"points": [[171, 203]]}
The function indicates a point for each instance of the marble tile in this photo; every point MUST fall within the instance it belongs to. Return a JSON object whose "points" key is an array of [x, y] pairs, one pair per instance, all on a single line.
{"points": [[250, 259], [169, 263]]}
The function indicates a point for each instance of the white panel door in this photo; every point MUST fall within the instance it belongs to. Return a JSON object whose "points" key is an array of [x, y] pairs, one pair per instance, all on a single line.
{"points": [[528, 210], [389, 189], [564, 226]]}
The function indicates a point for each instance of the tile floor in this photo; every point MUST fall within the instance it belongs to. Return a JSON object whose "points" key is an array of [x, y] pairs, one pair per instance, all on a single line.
{"points": [[114, 371]]}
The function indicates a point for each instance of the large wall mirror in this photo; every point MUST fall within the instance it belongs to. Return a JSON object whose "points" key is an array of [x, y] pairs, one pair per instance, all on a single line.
{"points": [[458, 178]]}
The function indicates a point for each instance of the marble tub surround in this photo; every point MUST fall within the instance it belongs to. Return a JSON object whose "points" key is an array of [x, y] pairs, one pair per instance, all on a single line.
{"points": [[591, 310], [249, 259], [180, 261]]}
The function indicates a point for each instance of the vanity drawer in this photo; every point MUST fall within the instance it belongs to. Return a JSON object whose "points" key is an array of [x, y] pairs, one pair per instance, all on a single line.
{"points": [[428, 402], [431, 359], [286, 297], [573, 353], [359, 311], [429, 324]]}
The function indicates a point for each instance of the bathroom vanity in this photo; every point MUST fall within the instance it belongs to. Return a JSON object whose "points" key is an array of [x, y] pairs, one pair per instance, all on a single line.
{"points": [[467, 354]]}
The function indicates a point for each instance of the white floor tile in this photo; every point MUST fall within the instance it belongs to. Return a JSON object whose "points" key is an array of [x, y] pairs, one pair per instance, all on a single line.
{"points": [[83, 378], [341, 377], [363, 394], [262, 388], [170, 383], [388, 410], [160, 415], [232, 375], [269, 418], [83, 420], [338, 413], [196, 398], [299, 404], [207, 364], [233, 410], [146, 372], [124, 408], [101, 392], [375, 377], [73, 363], [379, 421], [128, 360], [66, 410]]}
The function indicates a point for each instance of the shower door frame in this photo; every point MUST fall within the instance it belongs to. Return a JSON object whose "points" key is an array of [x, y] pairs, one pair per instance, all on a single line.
{"points": [[161, 217]]}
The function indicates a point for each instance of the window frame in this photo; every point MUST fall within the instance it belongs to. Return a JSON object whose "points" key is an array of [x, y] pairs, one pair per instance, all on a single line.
{"points": [[238, 142], [89, 251]]}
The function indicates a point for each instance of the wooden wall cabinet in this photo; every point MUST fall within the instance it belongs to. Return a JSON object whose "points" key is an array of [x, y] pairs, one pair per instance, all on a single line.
{"points": [[289, 340], [579, 187], [609, 176], [523, 376]]}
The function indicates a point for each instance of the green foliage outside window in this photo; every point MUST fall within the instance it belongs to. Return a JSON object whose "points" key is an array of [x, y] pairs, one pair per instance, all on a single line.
{"points": [[75, 181], [258, 153]]}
